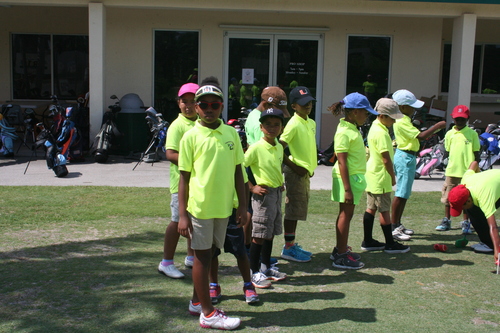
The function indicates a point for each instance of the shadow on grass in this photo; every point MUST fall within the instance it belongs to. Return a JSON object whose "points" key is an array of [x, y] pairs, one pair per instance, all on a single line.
{"points": [[302, 318], [98, 285]]}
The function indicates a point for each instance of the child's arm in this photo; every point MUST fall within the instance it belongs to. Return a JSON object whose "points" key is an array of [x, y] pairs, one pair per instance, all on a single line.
{"points": [[295, 168], [241, 213], [474, 166], [344, 174], [492, 223], [172, 156], [389, 167], [185, 227]]}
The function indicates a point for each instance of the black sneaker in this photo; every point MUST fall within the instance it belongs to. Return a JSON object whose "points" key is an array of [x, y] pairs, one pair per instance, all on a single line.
{"points": [[349, 250], [372, 245], [346, 261], [396, 248]]}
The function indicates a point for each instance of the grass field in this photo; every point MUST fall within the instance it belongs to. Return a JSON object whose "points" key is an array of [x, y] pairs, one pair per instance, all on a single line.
{"points": [[84, 259]]}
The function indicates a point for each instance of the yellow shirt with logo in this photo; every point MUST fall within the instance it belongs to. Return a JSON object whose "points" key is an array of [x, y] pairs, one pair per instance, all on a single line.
{"points": [[484, 188], [406, 134], [300, 135], [348, 140], [211, 156], [265, 161], [378, 180], [174, 135], [461, 144]]}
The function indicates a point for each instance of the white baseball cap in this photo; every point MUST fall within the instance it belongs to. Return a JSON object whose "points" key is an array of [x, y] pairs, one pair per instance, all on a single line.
{"points": [[405, 97]]}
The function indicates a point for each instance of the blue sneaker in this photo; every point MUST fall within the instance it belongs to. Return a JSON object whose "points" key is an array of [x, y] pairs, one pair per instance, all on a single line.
{"points": [[467, 229], [294, 254], [307, 253], [445, 225]]}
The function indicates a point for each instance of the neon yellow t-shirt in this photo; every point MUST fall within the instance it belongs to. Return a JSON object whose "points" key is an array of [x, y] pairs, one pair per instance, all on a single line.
{"points": [[461, 145], [252, 127], [265, 161], [406, 134], [378, 180], [211, 156], [484, 188], [174, 135], [300, 135], [348, 140]]}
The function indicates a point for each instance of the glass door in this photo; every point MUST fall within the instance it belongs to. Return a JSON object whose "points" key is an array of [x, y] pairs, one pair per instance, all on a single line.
{"points": [[255, 61]]}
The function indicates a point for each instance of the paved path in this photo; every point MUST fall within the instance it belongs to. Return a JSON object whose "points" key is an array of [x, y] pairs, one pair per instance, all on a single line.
{"points": [[118, 172]]}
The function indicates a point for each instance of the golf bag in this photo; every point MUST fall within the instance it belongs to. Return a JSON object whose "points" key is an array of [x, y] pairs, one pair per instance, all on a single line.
{"points": [[55, 160], [490, 150], [108, 134], [429, 159]]}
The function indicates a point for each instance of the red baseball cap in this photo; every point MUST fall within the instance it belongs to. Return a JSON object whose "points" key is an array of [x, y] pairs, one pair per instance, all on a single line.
{"points": [[460, 111], [457, 198]]}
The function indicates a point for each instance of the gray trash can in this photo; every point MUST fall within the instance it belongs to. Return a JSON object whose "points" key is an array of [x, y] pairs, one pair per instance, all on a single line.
{"points": [[131, 122]]}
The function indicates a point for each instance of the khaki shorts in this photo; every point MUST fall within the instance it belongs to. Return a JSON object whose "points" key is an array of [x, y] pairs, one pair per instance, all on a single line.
{"points": [[449, 183], [208, 232], [382, 202], [297, 195], [267, 220]]}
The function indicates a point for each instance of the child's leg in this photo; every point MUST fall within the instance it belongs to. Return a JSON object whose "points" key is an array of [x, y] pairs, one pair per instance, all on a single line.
{"points": [[267, 248], [170, 241], [385, 224], [290, 226], [255, 253], [368, 220], [201, 271], [346, 211], [398, 207]]}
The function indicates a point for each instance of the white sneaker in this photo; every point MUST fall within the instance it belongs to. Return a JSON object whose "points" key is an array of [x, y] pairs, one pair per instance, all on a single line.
{"points": [[194, 310], [399, 235], [259, 280], [170, 271], [482, 248], [220, 321], [188, 263]]}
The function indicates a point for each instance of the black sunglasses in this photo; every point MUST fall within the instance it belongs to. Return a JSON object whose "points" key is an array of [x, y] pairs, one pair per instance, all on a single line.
{"points": [[212, 105]]}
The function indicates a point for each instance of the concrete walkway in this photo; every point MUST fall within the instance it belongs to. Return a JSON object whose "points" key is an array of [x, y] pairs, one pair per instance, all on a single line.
{"points": [[118, 172]]}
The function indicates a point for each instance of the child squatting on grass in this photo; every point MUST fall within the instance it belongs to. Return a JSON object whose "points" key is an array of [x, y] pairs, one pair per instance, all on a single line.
{"points": [[380, 179], [348, 174], [210, 159], [264, 158], [183, 123]]}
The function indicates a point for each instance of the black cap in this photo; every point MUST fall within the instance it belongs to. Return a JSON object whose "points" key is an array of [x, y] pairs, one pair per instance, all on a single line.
{"points": [[272, 112], [301, 95]]}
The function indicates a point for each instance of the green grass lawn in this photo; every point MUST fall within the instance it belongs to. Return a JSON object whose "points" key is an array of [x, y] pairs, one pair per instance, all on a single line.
{"points": [[84, 259]]}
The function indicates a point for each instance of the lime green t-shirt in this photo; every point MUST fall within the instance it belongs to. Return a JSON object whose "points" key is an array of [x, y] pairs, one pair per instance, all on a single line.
{"points": [[174, 135], [348, 140], [252, 127], [461, 145], [406, 134], [265, 161], [484, 188], [211, 156], [300, 135], [378, 180]]}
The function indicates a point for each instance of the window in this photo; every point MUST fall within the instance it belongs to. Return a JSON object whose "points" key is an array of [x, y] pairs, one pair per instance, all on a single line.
{"points": [[485, 70], [44, 65], [368, 61], [175, 63]]}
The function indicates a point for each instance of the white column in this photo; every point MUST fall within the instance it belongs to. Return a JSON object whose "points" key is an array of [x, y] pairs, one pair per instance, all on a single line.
{"points": [[462, 58], [97, 33]]}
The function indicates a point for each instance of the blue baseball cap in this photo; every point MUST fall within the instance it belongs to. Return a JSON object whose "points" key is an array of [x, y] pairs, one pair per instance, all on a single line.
{"points": [[358, 101]]}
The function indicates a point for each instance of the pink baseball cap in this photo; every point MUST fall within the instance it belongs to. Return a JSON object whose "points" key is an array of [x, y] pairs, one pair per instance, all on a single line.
{"points": [[188, 88]]}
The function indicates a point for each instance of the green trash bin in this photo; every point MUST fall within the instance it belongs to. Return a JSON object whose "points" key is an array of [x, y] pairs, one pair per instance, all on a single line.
{"points": [[131, 122]]}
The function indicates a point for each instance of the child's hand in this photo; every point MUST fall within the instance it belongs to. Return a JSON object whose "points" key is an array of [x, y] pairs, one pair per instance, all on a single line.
{"points": [[241, 216], [185, 227], [441, 125], [260, 189], [349, 197]]}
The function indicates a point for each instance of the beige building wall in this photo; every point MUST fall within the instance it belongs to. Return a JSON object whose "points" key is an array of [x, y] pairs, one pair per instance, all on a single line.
{"points": [[416, 42]]}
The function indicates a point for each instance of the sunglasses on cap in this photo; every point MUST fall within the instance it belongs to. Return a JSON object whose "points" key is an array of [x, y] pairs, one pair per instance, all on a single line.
{"points": [[212, 105]]}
